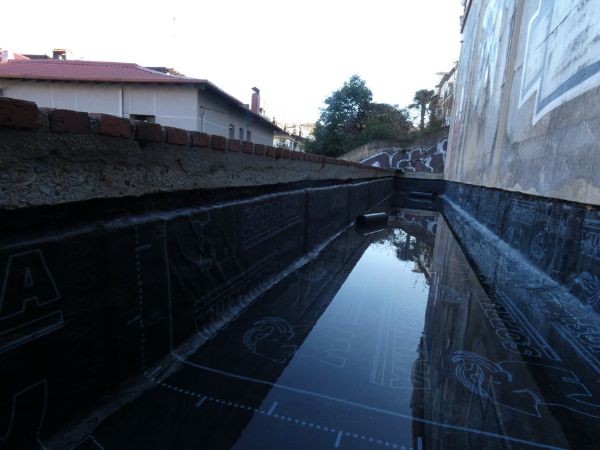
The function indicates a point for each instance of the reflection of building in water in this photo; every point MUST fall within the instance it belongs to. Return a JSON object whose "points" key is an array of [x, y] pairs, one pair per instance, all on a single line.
{"points": [[495, 370], [415, 238], [444, 96]]}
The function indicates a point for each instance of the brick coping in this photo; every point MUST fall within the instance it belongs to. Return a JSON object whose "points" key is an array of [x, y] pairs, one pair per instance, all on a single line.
{"points": [[22, 114]]}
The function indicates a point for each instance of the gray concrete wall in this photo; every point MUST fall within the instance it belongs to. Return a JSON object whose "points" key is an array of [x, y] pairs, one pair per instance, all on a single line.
{"points": [[527, 110], [372, 148], [59, 156], [424, 155]]}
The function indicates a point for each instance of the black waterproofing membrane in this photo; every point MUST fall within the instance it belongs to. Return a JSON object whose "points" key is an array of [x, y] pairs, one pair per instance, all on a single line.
{"points": [[267, 323], [86, 308]]}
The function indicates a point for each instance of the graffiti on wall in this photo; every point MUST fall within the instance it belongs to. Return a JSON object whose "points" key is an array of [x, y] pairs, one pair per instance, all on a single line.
{"points": [[411, 160], [562, 56], [489, 52]]}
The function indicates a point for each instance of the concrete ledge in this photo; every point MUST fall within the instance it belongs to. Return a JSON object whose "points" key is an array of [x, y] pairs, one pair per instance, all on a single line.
{"points": [[57, 156], [422, 176]]}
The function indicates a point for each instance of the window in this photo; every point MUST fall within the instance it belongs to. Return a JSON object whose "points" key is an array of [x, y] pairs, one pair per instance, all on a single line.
{"points": [[143, 117], [231, 131], [248, 135], [241, 134], [58, 53]]}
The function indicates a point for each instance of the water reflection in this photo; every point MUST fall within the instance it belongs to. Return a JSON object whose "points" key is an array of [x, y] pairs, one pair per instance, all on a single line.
{"points": [[389, 338]]}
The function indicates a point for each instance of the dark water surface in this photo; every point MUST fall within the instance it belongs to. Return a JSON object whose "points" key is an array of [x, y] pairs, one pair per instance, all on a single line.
{"points": [[387, 339]]}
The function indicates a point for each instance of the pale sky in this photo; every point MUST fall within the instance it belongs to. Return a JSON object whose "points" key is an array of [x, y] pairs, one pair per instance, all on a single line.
{"points": [[296, 53]]}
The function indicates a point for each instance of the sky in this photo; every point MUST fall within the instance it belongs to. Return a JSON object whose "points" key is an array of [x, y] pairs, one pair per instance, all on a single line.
{"points": [[296, 53]]}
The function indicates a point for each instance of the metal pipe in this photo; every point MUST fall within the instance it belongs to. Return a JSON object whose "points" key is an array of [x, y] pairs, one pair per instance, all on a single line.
{"points": [[371, 219], [121, 102]]}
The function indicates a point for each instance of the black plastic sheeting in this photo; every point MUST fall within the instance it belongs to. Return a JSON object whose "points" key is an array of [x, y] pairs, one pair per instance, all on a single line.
{"points": [[539, 262], [394, 337], [560, 238], [74, 299], [308, 339], [372, 219]]}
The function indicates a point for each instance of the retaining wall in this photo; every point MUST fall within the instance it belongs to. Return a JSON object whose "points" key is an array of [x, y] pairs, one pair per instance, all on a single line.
{"points": [[57, 156], [527, 109], [558, 238], [423, 156]]}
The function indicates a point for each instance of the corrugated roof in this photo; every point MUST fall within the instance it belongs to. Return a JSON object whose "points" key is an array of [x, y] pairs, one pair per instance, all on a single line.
{"points": [[107, 72]]}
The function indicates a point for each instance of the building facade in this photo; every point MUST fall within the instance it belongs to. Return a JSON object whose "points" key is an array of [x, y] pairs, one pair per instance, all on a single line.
{"points": [[293, 136], [445, 96], [132, 91]]}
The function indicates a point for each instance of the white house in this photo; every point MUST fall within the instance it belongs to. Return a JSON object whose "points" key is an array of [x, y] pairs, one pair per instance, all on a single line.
{"points": [[129, 90], [293, 136], [445, 95]]}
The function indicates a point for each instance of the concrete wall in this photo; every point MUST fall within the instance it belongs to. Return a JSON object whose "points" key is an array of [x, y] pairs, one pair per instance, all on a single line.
{"points": [[62, 156], [415, 160], [371, 148], [423, 156], [527, 109], [175, 106]]}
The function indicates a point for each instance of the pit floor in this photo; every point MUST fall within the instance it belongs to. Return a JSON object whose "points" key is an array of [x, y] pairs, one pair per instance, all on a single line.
{"points": [[384, 340]]}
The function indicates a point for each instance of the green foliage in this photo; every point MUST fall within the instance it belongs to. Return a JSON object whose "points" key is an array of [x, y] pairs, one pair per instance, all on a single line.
{"points": [[329, 141], [347, 107], [435, 122], [423, 100], [385, 122], [351, 119], [394, 119]]}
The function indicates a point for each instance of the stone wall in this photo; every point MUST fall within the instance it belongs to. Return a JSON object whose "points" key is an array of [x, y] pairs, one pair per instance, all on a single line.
{"points": [[59, 156], [527, 110]]}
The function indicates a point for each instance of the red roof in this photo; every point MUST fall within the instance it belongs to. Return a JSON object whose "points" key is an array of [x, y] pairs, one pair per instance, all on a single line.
{"points": [[53, 69], [106, 72]]}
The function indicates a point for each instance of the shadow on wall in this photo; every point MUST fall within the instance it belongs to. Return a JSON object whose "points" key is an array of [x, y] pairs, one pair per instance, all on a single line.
{"points": [[411, 160]]}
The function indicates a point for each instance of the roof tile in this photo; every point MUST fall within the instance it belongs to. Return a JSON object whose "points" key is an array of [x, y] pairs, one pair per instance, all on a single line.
{"points": [[53, 69]]}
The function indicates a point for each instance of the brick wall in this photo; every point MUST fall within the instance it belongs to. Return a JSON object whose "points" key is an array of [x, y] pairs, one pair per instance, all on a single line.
{"points": [[50, 156]]}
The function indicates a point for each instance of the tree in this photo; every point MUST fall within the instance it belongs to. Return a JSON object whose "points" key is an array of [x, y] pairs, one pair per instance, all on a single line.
{"points": [[422, 100], [348, 106], [385, 121], [435, 122], [343, 118], [350, 119]]}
